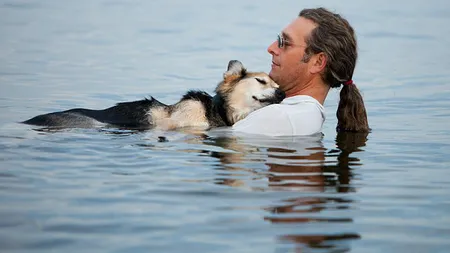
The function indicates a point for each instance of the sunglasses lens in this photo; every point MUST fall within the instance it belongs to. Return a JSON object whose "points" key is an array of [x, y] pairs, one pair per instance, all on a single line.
{"points": [[280, 41]]}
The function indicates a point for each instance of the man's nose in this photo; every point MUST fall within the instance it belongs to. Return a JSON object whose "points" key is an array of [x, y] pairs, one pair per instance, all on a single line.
{"points": [[273, 49]]}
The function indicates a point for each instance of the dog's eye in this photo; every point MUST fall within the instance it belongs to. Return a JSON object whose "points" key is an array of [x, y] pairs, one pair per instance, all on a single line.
{"points": [[261, 81]]}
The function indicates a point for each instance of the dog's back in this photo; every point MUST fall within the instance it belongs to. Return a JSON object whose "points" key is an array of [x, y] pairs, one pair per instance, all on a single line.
{"points": [[128, 114]]}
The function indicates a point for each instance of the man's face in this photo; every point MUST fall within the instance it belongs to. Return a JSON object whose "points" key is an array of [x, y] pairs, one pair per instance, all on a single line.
{"points": [[288, 69]]}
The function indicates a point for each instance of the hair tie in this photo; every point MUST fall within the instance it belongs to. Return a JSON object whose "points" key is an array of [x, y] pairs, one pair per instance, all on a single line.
{"points": [[349, 82]]}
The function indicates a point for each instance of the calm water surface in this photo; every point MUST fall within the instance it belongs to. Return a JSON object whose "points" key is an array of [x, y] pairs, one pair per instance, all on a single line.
{"points": [[110, 190]]}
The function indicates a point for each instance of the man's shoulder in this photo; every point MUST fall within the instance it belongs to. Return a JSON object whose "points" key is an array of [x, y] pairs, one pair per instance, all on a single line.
{"points": [[300, 99], [270, 113], [293, 116], [299, 104]]}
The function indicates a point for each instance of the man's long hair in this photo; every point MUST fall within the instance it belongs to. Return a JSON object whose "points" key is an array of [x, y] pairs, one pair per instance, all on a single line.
{"points": [[336, 39]]}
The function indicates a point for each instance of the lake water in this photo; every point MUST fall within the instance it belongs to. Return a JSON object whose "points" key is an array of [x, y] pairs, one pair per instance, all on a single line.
{"points": [[112, 190]]}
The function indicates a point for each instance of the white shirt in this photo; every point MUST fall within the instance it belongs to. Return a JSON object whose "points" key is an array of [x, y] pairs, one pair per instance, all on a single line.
{"points": [[297, 115]]}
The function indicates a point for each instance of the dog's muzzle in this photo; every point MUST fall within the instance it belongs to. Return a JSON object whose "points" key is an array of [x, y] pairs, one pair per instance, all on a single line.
{"points": [[279, 95], [275, 99]]}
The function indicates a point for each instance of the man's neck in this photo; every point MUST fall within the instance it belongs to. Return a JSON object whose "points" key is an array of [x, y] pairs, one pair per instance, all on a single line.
{"points": [[314, 88]]}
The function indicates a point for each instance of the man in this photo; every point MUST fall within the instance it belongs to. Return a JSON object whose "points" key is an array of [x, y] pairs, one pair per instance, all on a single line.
{"points": [[315, 52]]}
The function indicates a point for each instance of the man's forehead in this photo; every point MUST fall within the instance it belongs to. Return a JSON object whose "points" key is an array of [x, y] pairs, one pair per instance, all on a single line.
{"points": [[299, 29]]}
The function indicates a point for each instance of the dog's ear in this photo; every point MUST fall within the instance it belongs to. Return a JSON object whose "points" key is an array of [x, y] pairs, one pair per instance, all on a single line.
{"points": [[235, 70]]}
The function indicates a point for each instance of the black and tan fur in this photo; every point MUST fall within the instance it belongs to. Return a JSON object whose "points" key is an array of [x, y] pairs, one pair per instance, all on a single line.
{"points": [[240, 93]]}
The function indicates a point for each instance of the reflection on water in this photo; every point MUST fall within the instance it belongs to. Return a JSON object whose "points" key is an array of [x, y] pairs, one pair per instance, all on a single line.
{"points": [[296, 164], [315, 172]]}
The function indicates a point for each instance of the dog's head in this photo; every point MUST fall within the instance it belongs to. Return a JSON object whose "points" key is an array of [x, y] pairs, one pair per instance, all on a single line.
{"points": [[244, 92]]}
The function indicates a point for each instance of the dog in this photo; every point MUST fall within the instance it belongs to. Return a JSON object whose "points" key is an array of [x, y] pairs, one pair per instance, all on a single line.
{"points": [[237, 95]]}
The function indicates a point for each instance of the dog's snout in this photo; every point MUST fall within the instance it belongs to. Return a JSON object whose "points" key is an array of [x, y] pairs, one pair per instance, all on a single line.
{"points": [[280, 94]]}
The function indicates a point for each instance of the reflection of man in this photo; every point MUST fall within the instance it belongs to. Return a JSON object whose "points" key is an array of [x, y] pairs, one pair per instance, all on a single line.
{"points": [[300, 172], [296, 166], [315, 52], [311, 172]]}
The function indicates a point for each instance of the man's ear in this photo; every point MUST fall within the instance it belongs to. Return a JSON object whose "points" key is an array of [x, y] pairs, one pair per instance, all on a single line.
{"points": [[318, 62]]}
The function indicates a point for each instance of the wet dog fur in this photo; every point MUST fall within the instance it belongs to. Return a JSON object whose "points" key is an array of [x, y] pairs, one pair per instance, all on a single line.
{"points": [[238, 94]]}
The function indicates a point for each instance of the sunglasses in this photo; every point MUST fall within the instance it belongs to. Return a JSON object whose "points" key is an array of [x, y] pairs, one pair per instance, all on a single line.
{"points": [[282, 42]]}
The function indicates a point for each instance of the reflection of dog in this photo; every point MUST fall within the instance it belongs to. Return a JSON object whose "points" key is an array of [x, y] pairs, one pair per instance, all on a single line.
{"points": [[239, 94]]}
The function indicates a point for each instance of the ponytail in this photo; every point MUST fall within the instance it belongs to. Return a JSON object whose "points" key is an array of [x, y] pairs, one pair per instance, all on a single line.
{"points": [[335, 37], [351, 112]]}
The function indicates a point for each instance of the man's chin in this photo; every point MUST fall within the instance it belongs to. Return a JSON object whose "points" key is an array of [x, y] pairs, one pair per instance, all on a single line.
{"points": [[273, 75]]}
